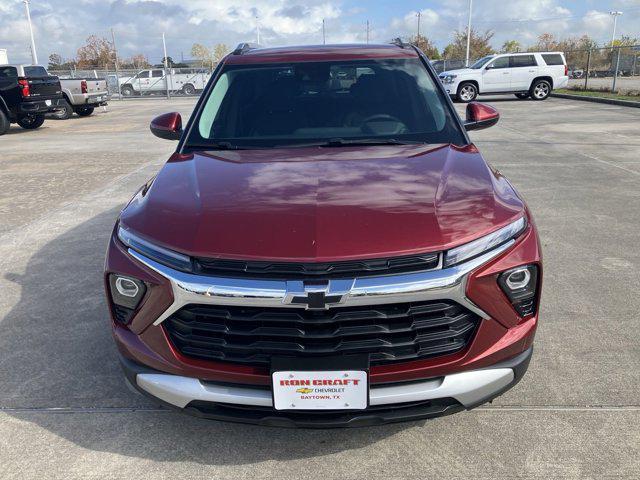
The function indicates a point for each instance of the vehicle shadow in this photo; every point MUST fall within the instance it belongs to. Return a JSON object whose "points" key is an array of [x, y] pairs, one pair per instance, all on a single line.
{"points": [[56, 351]]}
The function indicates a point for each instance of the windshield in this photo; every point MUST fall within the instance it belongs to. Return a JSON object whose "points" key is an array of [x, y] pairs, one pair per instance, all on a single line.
{"points": [[35, 71], [482, 62], [280, 105]]}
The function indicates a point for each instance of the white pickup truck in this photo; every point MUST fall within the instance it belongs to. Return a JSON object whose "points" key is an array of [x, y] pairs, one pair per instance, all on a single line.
{"points": [[532, 74], [154, 81]]}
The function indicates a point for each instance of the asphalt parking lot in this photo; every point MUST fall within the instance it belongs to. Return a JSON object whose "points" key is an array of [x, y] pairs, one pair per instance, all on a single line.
{"points": [[65, 411]]}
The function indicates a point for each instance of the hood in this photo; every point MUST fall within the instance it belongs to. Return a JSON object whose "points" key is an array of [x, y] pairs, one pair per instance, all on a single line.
{"points": [[462, 71], [322, 204]]}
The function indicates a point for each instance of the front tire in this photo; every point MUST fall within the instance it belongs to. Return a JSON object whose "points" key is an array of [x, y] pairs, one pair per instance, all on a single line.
{"points": [[540, 90], [84, 111], [31, 122], [127, 91], [467, 92], [65, 113], [189, 89], [4, 123], [522, 96]]}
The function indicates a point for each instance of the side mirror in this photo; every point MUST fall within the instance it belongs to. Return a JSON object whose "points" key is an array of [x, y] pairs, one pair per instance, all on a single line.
{"points": [[480, 116], [167, 126]]}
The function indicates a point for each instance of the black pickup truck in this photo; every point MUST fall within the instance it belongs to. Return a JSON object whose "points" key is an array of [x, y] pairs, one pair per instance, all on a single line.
{"points": [[26, 94]]}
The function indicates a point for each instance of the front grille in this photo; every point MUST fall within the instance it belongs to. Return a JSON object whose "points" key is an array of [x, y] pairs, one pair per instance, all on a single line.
{"points": [[296, 270], [388, 333]]}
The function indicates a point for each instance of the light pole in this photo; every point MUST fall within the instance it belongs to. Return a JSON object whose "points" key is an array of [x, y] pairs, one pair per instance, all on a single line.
{"points": [[419, 15], [367, 32], [469, 32], [258, 30], [615, 15], [34, 55], [324, 33]]}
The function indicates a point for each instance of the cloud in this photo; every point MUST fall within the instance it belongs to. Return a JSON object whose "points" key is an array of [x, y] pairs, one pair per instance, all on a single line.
{"points": [[61, 26]]}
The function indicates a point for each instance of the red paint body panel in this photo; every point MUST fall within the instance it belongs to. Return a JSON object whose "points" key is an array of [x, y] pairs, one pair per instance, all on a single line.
{"points": [[323, 204], [499, 338]]}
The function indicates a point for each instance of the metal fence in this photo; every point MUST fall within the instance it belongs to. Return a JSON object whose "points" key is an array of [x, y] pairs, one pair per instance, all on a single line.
{"points": [[147, 82], [610, 69]]}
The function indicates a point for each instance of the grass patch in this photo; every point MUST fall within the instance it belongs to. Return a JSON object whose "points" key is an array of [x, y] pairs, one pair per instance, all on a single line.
{"points": [[632, 97]]}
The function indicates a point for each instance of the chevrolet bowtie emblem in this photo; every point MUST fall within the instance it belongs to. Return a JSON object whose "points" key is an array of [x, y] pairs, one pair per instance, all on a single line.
{"points": [[317, 300]]}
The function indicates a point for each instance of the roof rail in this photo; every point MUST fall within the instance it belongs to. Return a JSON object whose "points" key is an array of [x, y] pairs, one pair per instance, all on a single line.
{"points": [[398, 42], [243, 48]]}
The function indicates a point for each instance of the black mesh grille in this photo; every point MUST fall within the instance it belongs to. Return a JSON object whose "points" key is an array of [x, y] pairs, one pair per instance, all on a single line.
{"points": [[292, 270], [388, 333]]}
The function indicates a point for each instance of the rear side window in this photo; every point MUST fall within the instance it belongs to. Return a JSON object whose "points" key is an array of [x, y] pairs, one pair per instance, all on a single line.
{"points": [[523, 61], [555, 59], [35, 71], [8, 72], [156, 73]]}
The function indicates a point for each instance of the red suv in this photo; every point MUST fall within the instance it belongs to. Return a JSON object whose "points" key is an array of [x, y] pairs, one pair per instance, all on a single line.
{"points": [[326, 247]]}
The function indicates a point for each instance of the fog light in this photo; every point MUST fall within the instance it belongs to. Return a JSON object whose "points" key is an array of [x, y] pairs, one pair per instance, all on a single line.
{"points": [[127, 287], [518, 278], [126, 291], [520, 285]]}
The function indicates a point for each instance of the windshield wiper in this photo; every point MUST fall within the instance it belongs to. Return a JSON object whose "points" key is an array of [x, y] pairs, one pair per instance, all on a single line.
{"points": [[342, 142], [220, 146]]}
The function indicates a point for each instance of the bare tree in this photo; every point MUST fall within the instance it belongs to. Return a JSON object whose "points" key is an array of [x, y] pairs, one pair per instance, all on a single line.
{"points": [[201, 53], [98, 52], [219, 52]]}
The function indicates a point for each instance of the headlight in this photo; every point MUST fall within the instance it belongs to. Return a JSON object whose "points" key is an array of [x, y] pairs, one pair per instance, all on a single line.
{"points": [[448, 78], [154, 252], [488, 242]]}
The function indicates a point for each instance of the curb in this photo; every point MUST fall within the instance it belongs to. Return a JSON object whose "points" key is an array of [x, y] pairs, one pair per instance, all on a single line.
{"points": [[608, 101]]}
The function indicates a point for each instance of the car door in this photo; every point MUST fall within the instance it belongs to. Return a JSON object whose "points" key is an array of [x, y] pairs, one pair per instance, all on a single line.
{"points": [[142, 81], [157, 80], [524, 68], [496, 76]]}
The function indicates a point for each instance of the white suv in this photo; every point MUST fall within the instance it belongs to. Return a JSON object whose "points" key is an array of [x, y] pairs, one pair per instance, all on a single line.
{"points": [[526, 75]]}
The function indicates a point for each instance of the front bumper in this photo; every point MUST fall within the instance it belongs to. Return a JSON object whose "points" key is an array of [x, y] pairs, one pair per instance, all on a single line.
{"points": [[387, 403]]}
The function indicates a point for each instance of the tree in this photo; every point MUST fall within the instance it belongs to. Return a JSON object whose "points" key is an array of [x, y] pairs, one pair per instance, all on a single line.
{"points": [[511, 46], [201, 53], [170, 62], [98, 52], [220, 51], [55, 60], [480, 45], [426, 45], [546, 43]]}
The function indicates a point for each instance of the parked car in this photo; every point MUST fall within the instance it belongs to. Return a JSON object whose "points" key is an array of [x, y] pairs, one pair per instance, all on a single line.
{"points": [[320, 254], [82, 96], [27, 92], [527, 75], [154, 81], [576, 73]]}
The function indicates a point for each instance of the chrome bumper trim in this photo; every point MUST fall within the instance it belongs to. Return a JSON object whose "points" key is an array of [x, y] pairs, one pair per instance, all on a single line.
{"points": [[468, 388], [441, 284]]}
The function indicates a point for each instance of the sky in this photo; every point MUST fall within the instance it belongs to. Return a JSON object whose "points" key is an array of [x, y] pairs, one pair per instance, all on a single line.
{"points": [[61, 26]]}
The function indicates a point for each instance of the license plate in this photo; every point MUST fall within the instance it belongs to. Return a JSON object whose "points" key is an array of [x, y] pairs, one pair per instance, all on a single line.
{"points": [[98, 99], [47, 103], [322, 390]]}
